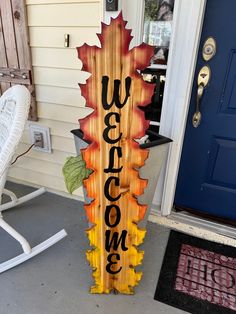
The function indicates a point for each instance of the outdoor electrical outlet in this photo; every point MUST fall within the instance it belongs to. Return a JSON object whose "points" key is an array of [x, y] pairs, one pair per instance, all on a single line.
{"points": [[40, 137]]}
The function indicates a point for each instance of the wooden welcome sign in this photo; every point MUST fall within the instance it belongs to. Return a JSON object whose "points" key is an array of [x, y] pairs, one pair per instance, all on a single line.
{"points": [[114, 90]]}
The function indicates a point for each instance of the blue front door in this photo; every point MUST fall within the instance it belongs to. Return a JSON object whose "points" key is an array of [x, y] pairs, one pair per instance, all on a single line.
{"points": [[207, 174]]}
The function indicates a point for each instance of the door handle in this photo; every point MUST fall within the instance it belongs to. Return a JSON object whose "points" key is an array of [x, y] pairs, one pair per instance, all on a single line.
{"points": [[197, 117], [203, 79]]}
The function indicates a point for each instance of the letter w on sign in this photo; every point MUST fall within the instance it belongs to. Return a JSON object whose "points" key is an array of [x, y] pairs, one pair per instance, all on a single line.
{"points": [[115, 90]]}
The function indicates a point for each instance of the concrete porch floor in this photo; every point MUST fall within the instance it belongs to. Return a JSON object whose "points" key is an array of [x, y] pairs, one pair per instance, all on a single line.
{"points": [[57, 281]]}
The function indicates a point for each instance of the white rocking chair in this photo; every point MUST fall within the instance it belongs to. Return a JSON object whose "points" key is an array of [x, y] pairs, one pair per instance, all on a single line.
{"points": [[14, 108]]}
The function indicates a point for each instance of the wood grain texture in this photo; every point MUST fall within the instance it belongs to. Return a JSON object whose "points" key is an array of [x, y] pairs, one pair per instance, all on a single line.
{"points": [[3, 57], [15, 39], [23, 49], [9, 34], [21, 76], [21, 33], [115, 61]]}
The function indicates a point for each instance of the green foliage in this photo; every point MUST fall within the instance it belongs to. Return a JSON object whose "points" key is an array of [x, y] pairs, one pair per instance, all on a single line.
{"points": [[75, 171], [151, 8]]}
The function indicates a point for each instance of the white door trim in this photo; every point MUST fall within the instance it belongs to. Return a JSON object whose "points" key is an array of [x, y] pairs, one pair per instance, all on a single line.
{"points": [[187, 25], [133, 12]]}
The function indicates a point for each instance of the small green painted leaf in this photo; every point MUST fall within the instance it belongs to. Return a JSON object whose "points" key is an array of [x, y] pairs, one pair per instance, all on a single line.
{"points": [[75, 171]]}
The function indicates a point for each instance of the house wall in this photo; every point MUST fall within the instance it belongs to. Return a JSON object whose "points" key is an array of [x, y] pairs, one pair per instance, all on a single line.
{"points": [[57, 72]]}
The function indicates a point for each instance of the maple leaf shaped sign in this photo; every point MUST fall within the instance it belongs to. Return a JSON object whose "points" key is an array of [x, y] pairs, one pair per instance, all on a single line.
{"points": [[114, 90]]}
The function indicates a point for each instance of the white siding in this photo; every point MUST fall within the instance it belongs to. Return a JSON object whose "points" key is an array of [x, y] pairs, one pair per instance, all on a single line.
{"points": [[57, 72]]}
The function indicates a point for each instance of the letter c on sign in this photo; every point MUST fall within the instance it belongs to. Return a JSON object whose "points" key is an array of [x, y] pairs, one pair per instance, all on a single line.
{"points": [[106, 188]]}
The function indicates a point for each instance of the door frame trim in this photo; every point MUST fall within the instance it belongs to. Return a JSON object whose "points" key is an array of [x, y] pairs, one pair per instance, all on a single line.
{"points": [[187, 26]]}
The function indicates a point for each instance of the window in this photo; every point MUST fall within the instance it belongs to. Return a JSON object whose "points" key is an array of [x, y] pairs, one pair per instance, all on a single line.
{"points": [[157, 29]]}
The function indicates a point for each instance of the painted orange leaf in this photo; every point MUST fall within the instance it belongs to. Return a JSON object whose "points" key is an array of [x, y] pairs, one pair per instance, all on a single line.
{"points": [[111, 63]]}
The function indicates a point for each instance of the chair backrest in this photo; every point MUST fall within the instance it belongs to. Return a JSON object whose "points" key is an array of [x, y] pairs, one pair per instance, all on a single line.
{"points": [[14, 109]]}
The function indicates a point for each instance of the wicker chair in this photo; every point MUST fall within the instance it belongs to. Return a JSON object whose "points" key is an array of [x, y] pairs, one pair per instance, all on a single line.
{"points": [[14, 108]]}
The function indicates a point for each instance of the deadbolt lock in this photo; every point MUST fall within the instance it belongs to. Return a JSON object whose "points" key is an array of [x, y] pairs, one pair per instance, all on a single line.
{"points": [[209, 49]]}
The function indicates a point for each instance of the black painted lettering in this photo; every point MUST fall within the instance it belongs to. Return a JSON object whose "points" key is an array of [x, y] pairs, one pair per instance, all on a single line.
{"points": [[109, 127], [111, 263], [117, 215], [116, 92], [107, 186], [112, 160], [114, 242]]}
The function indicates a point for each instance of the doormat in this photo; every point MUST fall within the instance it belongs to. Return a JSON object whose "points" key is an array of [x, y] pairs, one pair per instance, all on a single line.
{"points": [[198, 276]]}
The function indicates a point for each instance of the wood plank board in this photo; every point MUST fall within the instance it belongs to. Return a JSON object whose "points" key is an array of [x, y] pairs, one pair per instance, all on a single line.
{"points": [[15, 48], [62, 113], [115, 90], [23, 49], [57, 128], [3, 57], [59, 77], [49, 168], [38, 178], [69, 134], [53, 37], [59, 95], [64, 145], [69, 14], [55, 58], [60, 1], [9, 34], [19, 13], [57, 156]]}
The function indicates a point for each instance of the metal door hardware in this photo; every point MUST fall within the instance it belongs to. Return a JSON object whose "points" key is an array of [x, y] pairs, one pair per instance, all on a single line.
{"points": [[203, 79], [209, 49]]}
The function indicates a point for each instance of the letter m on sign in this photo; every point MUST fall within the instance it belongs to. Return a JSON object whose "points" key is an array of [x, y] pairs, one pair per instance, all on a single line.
{"points": [[114, 242]]}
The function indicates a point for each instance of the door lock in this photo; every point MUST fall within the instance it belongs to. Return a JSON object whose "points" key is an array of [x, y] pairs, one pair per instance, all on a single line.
{"points": [[203, 79], [209, 49]]}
